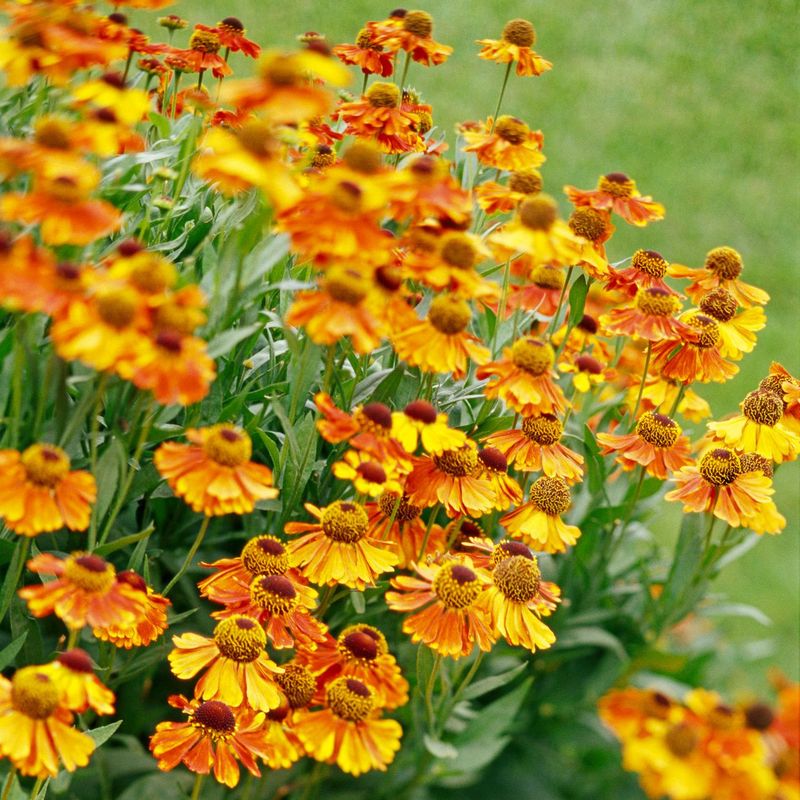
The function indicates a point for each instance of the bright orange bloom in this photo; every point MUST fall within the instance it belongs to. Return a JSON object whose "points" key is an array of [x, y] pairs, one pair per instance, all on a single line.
{"points": [[523, 378], [419, 423], [453, 620], [349, 732], [493, 467], [283, 746], [737, 331], [85, 592], [507, 144], [494, 198], [650, 316], [516, 45], [656, 444], [36, 731], [370, 57], [411, 32], [660, 394], [721, 270], [81, 689], [618, 193], [646, 271], [110, 92], [231, 36], [781, 381], [336, 549], [538, 523], [626, 711], [215, 736], [536, 448], [543, 292], [39, 493], [214, 474]]}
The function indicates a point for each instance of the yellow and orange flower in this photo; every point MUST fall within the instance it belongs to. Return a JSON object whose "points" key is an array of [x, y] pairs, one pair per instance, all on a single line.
{"points": [[231, 33], [110, 92], [617, 192], [493, 467], [426, 189], [737, 331], [419, 423], [543, 292], [367, 475], [647, 271], [366, 54], [507, 143], [781, 381], [410, 31], [39, 493], [661, 394], [214, 474], [494, 198], [515, 45], [81, 689], [650, 316]]}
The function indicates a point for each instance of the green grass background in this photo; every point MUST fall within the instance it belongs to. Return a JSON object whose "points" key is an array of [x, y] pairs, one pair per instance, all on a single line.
{"points": [[695, 100]]}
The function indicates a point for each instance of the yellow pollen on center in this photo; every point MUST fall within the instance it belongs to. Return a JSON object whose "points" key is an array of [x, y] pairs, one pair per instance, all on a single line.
{"points": [[33, 693], [550, 495], [719, 304], [383, 95], [458, 463], [350, 699], [265, 555], [117, 307], [657, 429], [364, 41], [528, 181], [298, 684], [89, 572], [617, 184], [458, 250], [589, 223], [204, 42], [345, 521], [544, 430], [403, 511], [228, 445], [346, 285], [546, 276], [45, 464], [720, 467], [240, 638], [273, 593], [449, 314], [518, 578], [456, 586], [533, 355], [656, 302], [650, 262], [763, 408], [705, 327], [511, 129], [751, 462], [724, 262]]}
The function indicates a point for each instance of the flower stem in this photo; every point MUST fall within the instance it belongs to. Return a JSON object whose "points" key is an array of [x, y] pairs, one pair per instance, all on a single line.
{"points": [[36, 788], [17, 378], [9, 782], [437, 662], [190, 556], [643, 381], [427, 534], [501, 307], [405, 72], [72, 638], [502, 93], [198, 783], [554, 321]]}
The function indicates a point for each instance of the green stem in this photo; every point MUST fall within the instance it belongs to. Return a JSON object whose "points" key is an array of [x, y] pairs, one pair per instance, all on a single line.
{"points": [[427, 534], [437, 662], [501, 308], [22, 556], [190, 557], [72, 638], [643, 381], [461, 689], [9, 782], [502, 93], [313, 780], [176, 84], [329, 365], [678, 399], [17, 379], [41, 404], [553, 324], [198, 783], [405, 71], [36, 788]]}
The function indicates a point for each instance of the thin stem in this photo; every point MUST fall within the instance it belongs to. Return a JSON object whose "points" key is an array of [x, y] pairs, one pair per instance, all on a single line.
{"points": [[502, 93], [198, 783], [461, 688], [364, 83], [72, 638], [190, 557], [177, 83], [17, 378], [427, 536], [554, 321], [36, 788], [405, 71], [437, 662], [710, 528], [24, 547], [44, 394], [678, 399], [643, 381], [9, 781], [127, 65], [329, 365], [501, 308]]}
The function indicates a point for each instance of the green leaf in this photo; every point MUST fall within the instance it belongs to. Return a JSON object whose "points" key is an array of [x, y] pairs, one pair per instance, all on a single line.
{"points": [[738, 610], [591, 637], [486, 685], [577, 300], [595, 465], [9, 652], [438, 748], [103, 734], [224, 342], [358, 603], [425, 662], [124, 541], [160, 123], [111, 468]]}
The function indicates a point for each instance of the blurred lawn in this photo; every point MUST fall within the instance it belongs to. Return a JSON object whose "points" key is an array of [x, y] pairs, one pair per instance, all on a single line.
{"points": [[696, 101]]}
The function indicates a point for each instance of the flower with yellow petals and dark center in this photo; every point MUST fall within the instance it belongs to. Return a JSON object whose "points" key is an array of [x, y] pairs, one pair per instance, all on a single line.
{"points": [[545, 430], [550, 495], [493, 460], [240, 638], [650, 262], [228, 445], [53, 132], [511, 129], [705, 328], [117, 307], [456, 585], [33, 693], [538, 212], [421, 411], [66, 189], [753, 461], [257, 137], [265, 555], [404, 511], [657, 429], [324, 157], [588, 364], [172, 22], [363, 157], [350, 699], [518, 578], [298, 684], [656, 302], [546, 276], [274, 593], [150, 272], [375, 418], [681, 740], [346, 285], [361, 643], [724, 262], [533, 355], [509, 548], [345, 521], [762, 407], [419, 23], [383, 95], [45, 464], [458, 250], [526, 181], [347, 196], [589, 223], [204, 42], [458, 463], [89, 572], [364, 41], [372, 472], [759, 716], [449, 314], [617, 184], [215, 719], [519, 32], [719, 304], [720, 467]]}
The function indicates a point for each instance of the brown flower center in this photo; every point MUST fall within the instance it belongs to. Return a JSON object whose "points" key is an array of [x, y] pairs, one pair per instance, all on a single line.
{"points": [[458, 463], [762, 407], [347, 196], [519, 32], [362, 642], [53, 132], [458, 250], [681, 740], [589, 223], [719, 304], [449, 314], [419, 23], [528, 181], [656, 302], [265, 555], [298, 684], [152, 273], [405, 512], [550, 495], [383, 95], [546, 276], [511, 129], [76, 660], [617, 184], [724, 262], [421, 411], [372, 472], [346, 286], [345, 521], [33, 693], [720, 467], [89, 572], [274, 593], [544, 430], [456, 586], [518, 578], [215, 718], [508, 549], [240, 638], [493, 460], [228, 445], [533, 355], [538, 212], [350, 699], [45, 464], [705, 327], [752, 462], [117, 307], [657, 429], [363, 157], [204, 42], [650, 262]]}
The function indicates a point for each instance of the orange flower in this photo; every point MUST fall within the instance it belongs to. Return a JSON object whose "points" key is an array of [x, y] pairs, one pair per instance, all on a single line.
{"points": [[440, 343], [737, 331], [36, 731], [593, 228], [494, 198], [371, 57], [215, 736], [516, 45], [410, 31], [81, 689], [661, 393], [651, 316], [203, 53], [349, 732], [110, 92], [39, 493], [647, 270], [543, 292], [418, 423], [84, 592], [536, 448], [781, 381], [618, 193], [523, 378], [721, 270], [507, 144], [493, 467], [231, 36], [336, 549], [453, 619], [656, 444], [214, 474], [367, 476], [538, 523]]}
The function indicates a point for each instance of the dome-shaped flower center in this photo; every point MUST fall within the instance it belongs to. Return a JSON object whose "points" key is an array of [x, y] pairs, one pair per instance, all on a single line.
{"points": [[240, 638], [347, 196], [419, 23], [257, 137], [544, 430], [533, 355], [372, 472], [588, 324], [681, 740], [650, 262], [404, 512], [456, 586], [458, 250], [350, 699], [204, 42], [519, 32], [706, 328], [228, 445], [171, 341], [518, 577], [388, 277], [493, 460], [364, 41], [656, 704], [66, 189], [45, 464], [548, 277], [117, 307], [764, 408], [421, 411], [53, 132], [720, 467], [346, 286], [152, 273], [751, 462], [538, 212], [449, 314], [719, 304], [352, 642], [232, 24], [525, 181], [33, 693], [265, 555], [724, 262], [215, 718], [89, 572], [617, 184], [550, 495], [363, 157], [774, 384], [274, 593], [657, 429], [588, 364], [459, 462], [68, 276], [132, 579], [589, 223], [656, 302], [511, 129], [759, 716], [278, 714], [76, 660], [508, 549], [298, 684], [383, 95], [345, 521], [179, 318]]}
